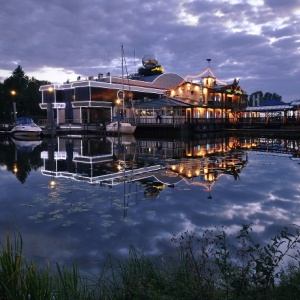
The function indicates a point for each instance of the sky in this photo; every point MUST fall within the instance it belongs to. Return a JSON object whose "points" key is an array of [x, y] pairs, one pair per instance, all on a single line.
{"points": [[257, 41]]}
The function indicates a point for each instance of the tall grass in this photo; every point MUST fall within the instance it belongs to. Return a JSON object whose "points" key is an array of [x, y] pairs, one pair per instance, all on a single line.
{"points": [[214, 265]]}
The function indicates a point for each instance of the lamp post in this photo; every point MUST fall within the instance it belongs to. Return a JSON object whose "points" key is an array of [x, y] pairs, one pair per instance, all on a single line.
{"points": [[118, 102], [13, 94], [50, 113]]}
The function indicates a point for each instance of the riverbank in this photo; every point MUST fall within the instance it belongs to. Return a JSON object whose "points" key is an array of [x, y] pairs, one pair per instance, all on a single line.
{"points": [[207, 267]]}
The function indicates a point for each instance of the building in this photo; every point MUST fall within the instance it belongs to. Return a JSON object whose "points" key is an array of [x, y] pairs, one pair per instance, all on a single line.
{"points": [[93, 100], [202, 100], [148, 97]]}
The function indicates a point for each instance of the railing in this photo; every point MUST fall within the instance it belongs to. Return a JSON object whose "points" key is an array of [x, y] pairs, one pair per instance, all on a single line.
{"points": [[178, 120], [161, 120]]}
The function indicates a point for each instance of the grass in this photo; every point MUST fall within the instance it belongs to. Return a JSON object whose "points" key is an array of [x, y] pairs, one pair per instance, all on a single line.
{"points": [[214, 265]]}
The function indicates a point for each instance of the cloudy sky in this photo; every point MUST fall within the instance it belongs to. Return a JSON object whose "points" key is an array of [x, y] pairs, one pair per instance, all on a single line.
{"points": [[257, 41]]}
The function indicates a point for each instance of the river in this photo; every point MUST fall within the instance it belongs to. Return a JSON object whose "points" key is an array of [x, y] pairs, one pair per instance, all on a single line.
{"points": [[65, 198]]}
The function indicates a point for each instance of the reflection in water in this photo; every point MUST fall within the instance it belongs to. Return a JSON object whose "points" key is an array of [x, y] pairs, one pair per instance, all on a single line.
{"points": [[110, 193], [20, 157]]}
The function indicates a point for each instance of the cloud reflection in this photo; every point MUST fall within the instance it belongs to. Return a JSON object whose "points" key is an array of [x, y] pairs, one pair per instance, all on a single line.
{"points": [[76, 221]]}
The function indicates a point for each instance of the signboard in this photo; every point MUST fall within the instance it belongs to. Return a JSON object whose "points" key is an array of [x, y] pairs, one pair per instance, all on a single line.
{"points": [[59, 105]]}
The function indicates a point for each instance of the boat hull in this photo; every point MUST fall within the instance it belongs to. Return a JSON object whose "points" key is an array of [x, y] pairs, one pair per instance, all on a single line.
{"points": [[24, 131], [123, 128]]}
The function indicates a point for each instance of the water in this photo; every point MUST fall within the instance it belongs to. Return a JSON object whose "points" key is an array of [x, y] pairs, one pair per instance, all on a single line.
{"points": [[224, 181]]}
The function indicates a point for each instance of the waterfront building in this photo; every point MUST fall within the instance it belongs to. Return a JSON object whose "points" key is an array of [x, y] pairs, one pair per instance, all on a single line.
{"points": [[201, 100], [271, 114], [94, 100], [149, 97]]}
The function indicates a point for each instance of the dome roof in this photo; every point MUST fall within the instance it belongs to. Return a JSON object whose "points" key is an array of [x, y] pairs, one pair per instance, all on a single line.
{"points": [[149, 61]]}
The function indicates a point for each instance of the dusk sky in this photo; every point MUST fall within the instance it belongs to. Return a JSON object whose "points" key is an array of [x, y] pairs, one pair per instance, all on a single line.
{"points": [[257, 41]]}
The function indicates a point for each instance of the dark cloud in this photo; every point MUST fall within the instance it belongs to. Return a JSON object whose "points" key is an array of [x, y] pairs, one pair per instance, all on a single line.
{"points": [[258, 43]]}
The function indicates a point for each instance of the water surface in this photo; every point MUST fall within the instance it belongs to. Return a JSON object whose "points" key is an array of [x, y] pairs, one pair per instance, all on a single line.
{"points": [[82, 218]]}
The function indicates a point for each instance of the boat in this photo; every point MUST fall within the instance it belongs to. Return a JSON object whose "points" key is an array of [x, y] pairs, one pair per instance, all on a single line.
{"points": [[25, 127], [119, 125]]}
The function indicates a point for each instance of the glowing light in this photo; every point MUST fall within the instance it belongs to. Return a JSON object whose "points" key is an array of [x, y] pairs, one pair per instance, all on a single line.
{"points": [[52, 183], [209, 72]]}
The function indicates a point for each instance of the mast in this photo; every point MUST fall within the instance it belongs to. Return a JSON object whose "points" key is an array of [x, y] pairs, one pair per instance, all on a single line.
{"points": [[123, 98]]}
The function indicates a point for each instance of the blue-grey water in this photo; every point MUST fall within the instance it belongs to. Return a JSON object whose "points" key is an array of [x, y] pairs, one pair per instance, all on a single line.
{"points": [[84, 216]]}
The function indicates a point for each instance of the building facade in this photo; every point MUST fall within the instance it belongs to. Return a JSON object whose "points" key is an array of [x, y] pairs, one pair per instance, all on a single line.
{"points": [[150, 96]]}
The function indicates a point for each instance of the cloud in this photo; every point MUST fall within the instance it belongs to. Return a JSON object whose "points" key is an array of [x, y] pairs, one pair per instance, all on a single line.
{"points": [[254, 40]]}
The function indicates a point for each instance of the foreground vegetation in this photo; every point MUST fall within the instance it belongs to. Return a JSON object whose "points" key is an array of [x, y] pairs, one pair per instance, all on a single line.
{"points": [[214, 265]]}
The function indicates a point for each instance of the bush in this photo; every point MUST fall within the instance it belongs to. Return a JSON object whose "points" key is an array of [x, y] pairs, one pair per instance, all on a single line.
{"points": [[214, 265]]}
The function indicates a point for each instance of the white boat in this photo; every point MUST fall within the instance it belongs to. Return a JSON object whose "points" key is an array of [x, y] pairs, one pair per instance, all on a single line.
{"points": [[123, 139], [121, 127], [25, 127]]}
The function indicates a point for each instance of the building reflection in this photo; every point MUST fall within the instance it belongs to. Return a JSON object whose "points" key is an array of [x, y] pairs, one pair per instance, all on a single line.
{"points": [[155, 164], [205, 171]]}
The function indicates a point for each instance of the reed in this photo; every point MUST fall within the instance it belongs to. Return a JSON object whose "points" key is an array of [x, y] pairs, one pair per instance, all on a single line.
{"points": [[214, 265]]}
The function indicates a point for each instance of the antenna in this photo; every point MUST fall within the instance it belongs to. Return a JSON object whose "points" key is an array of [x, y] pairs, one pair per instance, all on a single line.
{"points": [[135, 70], [208, 60]]}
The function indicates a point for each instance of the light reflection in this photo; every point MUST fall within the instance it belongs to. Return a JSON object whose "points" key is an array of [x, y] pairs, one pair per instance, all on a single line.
{"points": [[185, 206], [15, 168], [52, 183]]}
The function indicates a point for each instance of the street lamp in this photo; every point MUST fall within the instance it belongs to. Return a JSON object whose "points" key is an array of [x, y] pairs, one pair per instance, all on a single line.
{"points": [[50, 112], [13, 94]]}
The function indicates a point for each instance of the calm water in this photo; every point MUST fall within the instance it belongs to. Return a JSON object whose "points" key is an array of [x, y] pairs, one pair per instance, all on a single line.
{"points": [[87, 214]]}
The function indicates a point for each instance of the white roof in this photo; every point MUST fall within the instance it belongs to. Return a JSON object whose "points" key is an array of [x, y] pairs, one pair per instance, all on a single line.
{"points": [[268, 108]]}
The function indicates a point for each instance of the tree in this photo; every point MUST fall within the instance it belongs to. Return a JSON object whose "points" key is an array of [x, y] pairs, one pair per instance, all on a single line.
{"points": [[261, 97], [271, 96], [27, 96]]}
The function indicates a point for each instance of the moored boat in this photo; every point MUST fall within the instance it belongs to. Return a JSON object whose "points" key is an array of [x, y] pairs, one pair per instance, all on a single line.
{"points": [[25, 127], [121, 127]]}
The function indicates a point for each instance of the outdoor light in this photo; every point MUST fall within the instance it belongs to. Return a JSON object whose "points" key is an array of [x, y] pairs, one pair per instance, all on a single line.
{"points": [[13, 94], [197, 172]]}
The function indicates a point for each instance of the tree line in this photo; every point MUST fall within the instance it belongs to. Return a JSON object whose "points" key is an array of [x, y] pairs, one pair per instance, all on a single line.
{"points": [[263, 97], [24, 91]]}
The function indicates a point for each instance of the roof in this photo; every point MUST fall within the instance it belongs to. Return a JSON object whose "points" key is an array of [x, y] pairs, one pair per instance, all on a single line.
{"points": [[271, 105], [295, 103], [161, 102], [273, 102], [268, 108]]}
